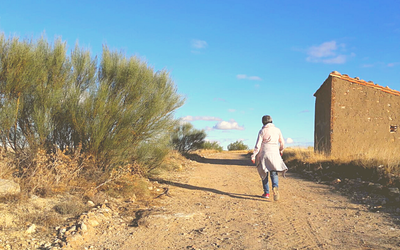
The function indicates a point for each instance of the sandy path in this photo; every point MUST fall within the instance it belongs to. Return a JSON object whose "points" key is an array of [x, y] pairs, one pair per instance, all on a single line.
{"points": [[216, 205]]}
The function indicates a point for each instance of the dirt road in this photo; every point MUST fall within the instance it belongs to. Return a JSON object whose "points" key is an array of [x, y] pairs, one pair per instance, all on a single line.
{"points": [[217, 205]]}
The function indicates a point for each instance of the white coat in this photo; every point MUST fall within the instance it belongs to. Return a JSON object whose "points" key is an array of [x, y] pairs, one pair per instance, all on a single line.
{"points": [[267, 151]]}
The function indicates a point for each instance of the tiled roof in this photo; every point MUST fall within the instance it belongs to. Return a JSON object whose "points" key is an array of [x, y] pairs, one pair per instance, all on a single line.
{"points": [[365, 83]]}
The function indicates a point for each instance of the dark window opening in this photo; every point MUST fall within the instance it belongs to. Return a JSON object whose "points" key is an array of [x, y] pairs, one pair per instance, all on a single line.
{"points": [[393, 128]]}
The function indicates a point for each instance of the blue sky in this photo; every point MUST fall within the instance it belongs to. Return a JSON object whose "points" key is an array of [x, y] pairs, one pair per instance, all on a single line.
{"points": [[234, 61]]}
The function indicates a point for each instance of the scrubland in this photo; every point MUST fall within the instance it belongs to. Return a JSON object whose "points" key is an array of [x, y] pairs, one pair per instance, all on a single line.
{"points": [[382, 167], [58, 187]]}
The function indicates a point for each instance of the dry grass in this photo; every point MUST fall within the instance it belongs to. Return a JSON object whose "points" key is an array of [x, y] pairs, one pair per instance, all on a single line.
{"points": [[206, 151], [367, 159], [49, 174], [58, 186], [306, 155], [174, 161], [386, 158], [61, 174], [380, 165], [46, 220], [126, 187], [73, 207], [7, 168]]}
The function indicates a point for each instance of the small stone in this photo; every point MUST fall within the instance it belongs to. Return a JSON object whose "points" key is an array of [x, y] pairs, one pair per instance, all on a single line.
{"points": [[83, 217], [90, 203], [394, 190], [93, 222], [76, 239], [73, 228], [31, 229], [9, 187], [83, 227]]}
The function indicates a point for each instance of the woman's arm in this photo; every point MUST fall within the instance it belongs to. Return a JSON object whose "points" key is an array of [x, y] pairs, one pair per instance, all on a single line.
{"points": [[257, 146], [281, 142]]}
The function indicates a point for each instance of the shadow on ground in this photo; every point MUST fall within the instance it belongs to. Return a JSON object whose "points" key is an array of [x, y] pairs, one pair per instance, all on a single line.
{"points": [[245, 161], [212, 190]]}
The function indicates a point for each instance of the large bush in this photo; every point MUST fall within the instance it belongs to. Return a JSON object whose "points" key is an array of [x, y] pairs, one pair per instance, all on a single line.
{"points": [[111, 108], [212, 146], [186, 138], [237, 145]]}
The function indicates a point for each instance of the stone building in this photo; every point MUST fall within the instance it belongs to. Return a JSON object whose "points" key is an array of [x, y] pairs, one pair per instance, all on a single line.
{"points": [[355, 118]]}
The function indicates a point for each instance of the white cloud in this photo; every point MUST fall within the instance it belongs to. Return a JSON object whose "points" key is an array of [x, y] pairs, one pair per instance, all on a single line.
{"points": [[289, 140], [208, 128], [230, 125], [182, 122], [323, 50], [219, 99], [199, 44], [232, 110], [328, 53], [367, 65], [200, 118], [340, 59], [252, 78], [380, 64]]}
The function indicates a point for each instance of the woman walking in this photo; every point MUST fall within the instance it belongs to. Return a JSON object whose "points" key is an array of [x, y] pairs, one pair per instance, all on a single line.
{"points": [[267, 155]]}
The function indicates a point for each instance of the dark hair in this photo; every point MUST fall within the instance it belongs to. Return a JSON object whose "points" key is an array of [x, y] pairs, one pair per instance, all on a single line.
{"points": [[266, 119]]}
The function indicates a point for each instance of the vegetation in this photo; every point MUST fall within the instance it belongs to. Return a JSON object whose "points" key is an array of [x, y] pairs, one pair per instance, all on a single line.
{"points": [[303, 154], [65, 118], [375, 168], [212, 146], [237, 145], [186, 138]]}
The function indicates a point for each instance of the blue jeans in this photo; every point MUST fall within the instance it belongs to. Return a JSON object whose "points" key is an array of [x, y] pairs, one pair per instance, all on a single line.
{"points": [[274, 179]]}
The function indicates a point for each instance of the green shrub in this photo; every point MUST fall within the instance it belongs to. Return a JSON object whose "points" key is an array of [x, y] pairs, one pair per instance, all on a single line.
{"points": [[237, 145], [212, 145], [185, 138]]}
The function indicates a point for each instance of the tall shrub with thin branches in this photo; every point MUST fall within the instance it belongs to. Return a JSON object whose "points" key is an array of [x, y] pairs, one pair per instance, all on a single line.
{"points": [[108, 108]]}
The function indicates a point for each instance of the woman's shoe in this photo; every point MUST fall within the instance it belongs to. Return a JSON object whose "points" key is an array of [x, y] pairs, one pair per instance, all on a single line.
{"points": [[276, 193], [266, 196]]}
